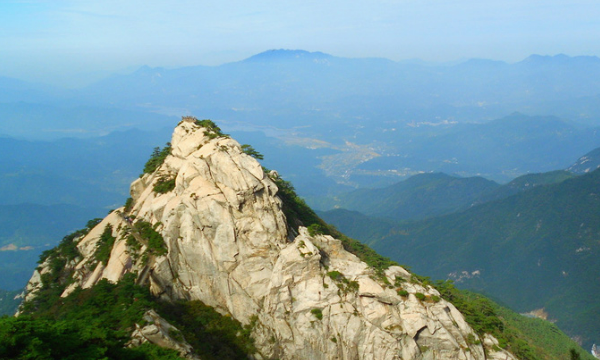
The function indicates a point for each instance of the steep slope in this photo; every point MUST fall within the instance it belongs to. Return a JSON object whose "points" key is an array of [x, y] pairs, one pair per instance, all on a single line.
{"points": [[427, 198], [418, 197], [536, 249], [208, 224], [524, 183], [367, 229], [588, 162]]}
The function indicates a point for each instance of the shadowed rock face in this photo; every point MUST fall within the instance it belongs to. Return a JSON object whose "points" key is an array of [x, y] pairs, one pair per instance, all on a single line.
{"points": [[229, 246]]}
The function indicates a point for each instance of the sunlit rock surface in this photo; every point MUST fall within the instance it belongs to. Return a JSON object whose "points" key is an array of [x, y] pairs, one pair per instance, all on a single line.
{"points": [[229, 246]]}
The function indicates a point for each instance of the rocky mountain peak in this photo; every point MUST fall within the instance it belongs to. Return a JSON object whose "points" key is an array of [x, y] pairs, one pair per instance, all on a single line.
{"points": [[207, 223]]}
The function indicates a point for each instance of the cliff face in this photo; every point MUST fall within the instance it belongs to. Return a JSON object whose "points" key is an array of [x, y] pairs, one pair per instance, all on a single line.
{"points": [[228, 244]]}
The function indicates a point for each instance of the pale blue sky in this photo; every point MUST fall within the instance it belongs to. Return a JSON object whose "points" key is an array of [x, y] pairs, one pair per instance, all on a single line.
{"points": [[48, 40]]}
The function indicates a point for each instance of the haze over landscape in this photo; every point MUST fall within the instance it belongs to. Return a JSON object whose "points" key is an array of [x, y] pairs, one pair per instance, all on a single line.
{"points": [[460, 139], [74, 42]]}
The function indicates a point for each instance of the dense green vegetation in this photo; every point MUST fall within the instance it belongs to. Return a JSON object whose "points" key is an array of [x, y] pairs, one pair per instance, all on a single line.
{"points": [[420, 196], [524, 183], [156, 243], [481, 315], [527, 338], [95, 323], [157, 158], [104, 245], [212, 335], [27, 338], [543, 336], [549, 233]]}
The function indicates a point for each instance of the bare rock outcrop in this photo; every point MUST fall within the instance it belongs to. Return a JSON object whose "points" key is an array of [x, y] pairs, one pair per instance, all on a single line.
{"points": [[229, 246], [158, 331]]}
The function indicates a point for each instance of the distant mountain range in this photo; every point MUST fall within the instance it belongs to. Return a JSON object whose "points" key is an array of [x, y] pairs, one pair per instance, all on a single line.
{"points": [[429, 195], [418, 197], [380, 120], [84, 172], [287, 79]]}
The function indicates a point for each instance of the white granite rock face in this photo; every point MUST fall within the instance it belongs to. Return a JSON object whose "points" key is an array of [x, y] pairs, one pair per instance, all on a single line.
{"points": [[228, 246], [158, 331]]}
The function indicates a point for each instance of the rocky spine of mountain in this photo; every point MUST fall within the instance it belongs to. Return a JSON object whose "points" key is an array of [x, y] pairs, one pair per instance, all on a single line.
{"points": [[208, 225]]}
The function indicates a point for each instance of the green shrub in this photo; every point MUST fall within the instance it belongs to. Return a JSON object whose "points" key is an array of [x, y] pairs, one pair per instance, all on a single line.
{"points": [[420, 296], [156, 243], [104, 245], [316, 229], [212, 130], [345, 285], [164, 184], [336, 275], [318, 313], [402, 293], [472, 340], [128, 204], [132, 243], [398, 281], [176, 335], [157, 158], [249, 150]]}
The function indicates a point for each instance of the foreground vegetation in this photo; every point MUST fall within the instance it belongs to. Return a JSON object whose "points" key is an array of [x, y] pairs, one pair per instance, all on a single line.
{"points": [[88, 324], [97, 323]]}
